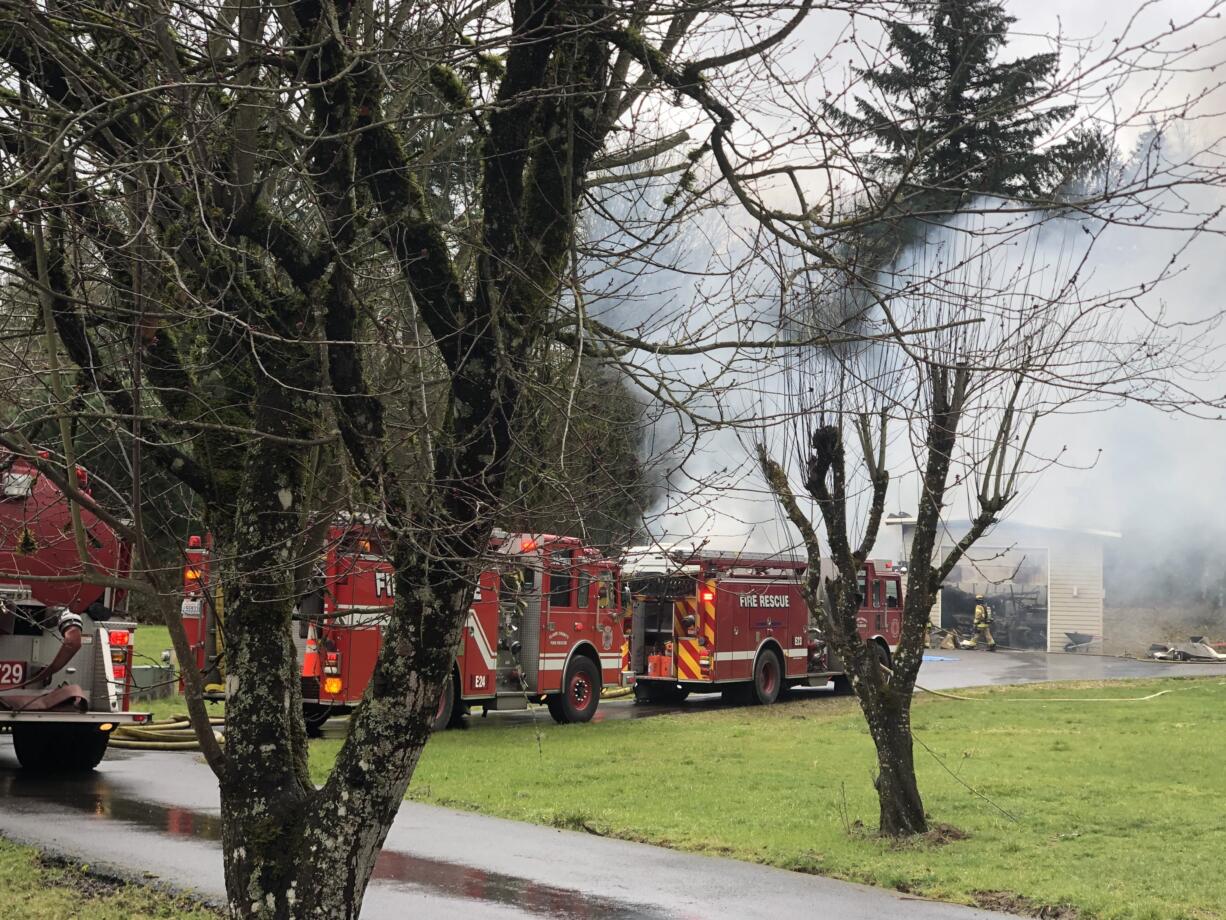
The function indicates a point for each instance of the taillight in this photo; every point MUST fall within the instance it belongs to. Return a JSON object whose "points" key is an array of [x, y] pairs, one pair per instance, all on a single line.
{"points": [[333, 685], [119, 637], [332, 663]]}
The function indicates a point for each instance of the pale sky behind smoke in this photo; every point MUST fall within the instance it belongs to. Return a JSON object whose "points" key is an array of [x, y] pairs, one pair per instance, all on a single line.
{"points": [[1123, 468]]}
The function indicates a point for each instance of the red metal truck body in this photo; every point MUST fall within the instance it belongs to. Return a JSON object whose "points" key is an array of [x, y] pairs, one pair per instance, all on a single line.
{"points": [[544, 610], [738, 621], [544, 625]]}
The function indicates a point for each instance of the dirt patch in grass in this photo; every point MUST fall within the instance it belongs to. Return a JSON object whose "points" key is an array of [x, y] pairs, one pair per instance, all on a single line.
{"points": [[1017, 904], [940, 834], [41, 886], [89, 883]]}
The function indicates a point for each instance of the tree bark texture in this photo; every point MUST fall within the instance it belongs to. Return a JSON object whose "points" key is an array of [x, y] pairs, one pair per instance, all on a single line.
{"points": [[885, 698]]}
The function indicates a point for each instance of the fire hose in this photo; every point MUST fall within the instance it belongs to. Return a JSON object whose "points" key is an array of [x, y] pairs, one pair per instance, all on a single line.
{"points": [[173, 734]]}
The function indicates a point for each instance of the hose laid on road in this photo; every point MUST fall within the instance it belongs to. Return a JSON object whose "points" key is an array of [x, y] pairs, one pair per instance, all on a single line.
{"points": [[615, 693], [1042, 699], [174, 734], [1048, 699]]}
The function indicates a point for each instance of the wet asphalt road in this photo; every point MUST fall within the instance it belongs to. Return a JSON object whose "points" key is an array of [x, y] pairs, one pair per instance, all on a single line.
{"points": [[156, 814]]}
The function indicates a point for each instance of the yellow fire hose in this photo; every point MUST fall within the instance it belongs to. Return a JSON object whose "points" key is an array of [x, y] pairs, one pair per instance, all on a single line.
{"points": [[173, 734], [615, 693]]}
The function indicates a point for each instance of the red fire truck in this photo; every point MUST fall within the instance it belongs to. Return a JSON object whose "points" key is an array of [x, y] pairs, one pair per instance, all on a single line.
{"points": [[738, 623], [65, 661], [337, 621], [544, 626]]}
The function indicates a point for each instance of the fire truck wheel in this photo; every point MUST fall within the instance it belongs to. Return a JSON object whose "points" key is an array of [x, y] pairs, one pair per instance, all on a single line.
{"points": [[883, 659], [59, 748], [842, 685], [315, 716], [580, 693], [446, 707], [767, 677]]}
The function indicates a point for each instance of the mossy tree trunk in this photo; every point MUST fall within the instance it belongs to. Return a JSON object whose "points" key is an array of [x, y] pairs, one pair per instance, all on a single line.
{"points": [[885, 696], [288, 207]]}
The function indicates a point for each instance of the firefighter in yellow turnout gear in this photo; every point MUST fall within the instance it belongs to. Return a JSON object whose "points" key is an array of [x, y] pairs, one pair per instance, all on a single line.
{"points": [[983, 626]]}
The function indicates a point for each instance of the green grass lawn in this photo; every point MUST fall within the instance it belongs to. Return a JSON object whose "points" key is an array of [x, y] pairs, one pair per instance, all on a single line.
{"points": [[149, 643], [1117, 808], [33, 888]]}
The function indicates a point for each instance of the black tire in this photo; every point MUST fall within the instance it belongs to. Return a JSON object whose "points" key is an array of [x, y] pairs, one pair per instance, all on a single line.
{"points": [[59, 748], [580, 693], [842, 685], [446, 706], [883, 658], [314, 716], [767, 678]]}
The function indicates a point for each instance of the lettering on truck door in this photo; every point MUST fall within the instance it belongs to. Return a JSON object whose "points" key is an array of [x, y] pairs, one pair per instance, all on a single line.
{"points": [[893, 608]]}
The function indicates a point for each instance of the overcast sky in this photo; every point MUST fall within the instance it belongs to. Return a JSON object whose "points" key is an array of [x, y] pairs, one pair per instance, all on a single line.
{"points": [[1125, 468]]}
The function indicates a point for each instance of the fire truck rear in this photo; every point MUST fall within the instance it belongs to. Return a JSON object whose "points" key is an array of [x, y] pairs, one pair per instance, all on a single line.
{"points": [[337, 622], [65, 662], [738, 623]]}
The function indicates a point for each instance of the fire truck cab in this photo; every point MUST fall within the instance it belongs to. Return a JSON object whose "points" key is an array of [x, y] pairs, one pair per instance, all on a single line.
{"points": [[545, 626], [65, 658], [738, 623]]}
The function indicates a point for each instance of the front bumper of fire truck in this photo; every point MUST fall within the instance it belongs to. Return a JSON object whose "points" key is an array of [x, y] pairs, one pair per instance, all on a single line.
{"points": [[9, 716]]}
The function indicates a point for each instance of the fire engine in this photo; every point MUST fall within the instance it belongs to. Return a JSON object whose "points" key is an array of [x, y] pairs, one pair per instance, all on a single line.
{"points": [[544, 626], [707, 621], [337, 621], [65, 661]]}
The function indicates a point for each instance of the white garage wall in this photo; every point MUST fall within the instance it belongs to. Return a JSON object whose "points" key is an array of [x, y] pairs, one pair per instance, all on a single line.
{"points": [[1075, 593]]}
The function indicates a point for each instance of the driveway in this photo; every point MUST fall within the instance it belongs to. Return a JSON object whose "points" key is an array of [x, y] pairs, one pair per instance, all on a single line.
{"points": [[156, 815], [942, 670]]}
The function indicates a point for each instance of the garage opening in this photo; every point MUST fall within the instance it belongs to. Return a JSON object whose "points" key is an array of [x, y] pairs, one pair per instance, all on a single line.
{"points": [[1014, 582]]}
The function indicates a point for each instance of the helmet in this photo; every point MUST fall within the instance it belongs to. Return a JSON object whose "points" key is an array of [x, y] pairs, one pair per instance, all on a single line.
{"points": [[978, 597]]}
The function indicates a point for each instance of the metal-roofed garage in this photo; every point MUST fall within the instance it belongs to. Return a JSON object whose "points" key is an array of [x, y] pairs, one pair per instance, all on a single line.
{"points": [[1044, 584]]}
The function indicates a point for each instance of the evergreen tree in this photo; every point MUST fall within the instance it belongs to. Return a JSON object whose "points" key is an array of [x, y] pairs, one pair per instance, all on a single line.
{"points": [[951, 120]]}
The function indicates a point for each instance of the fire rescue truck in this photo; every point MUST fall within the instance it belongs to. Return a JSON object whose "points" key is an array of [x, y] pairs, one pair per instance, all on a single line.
{"points": [[707, 621], [65, 661], [544, 626]]}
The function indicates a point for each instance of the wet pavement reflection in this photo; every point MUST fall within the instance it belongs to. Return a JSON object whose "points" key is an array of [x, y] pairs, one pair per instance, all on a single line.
{"points": [[94, 797]]}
